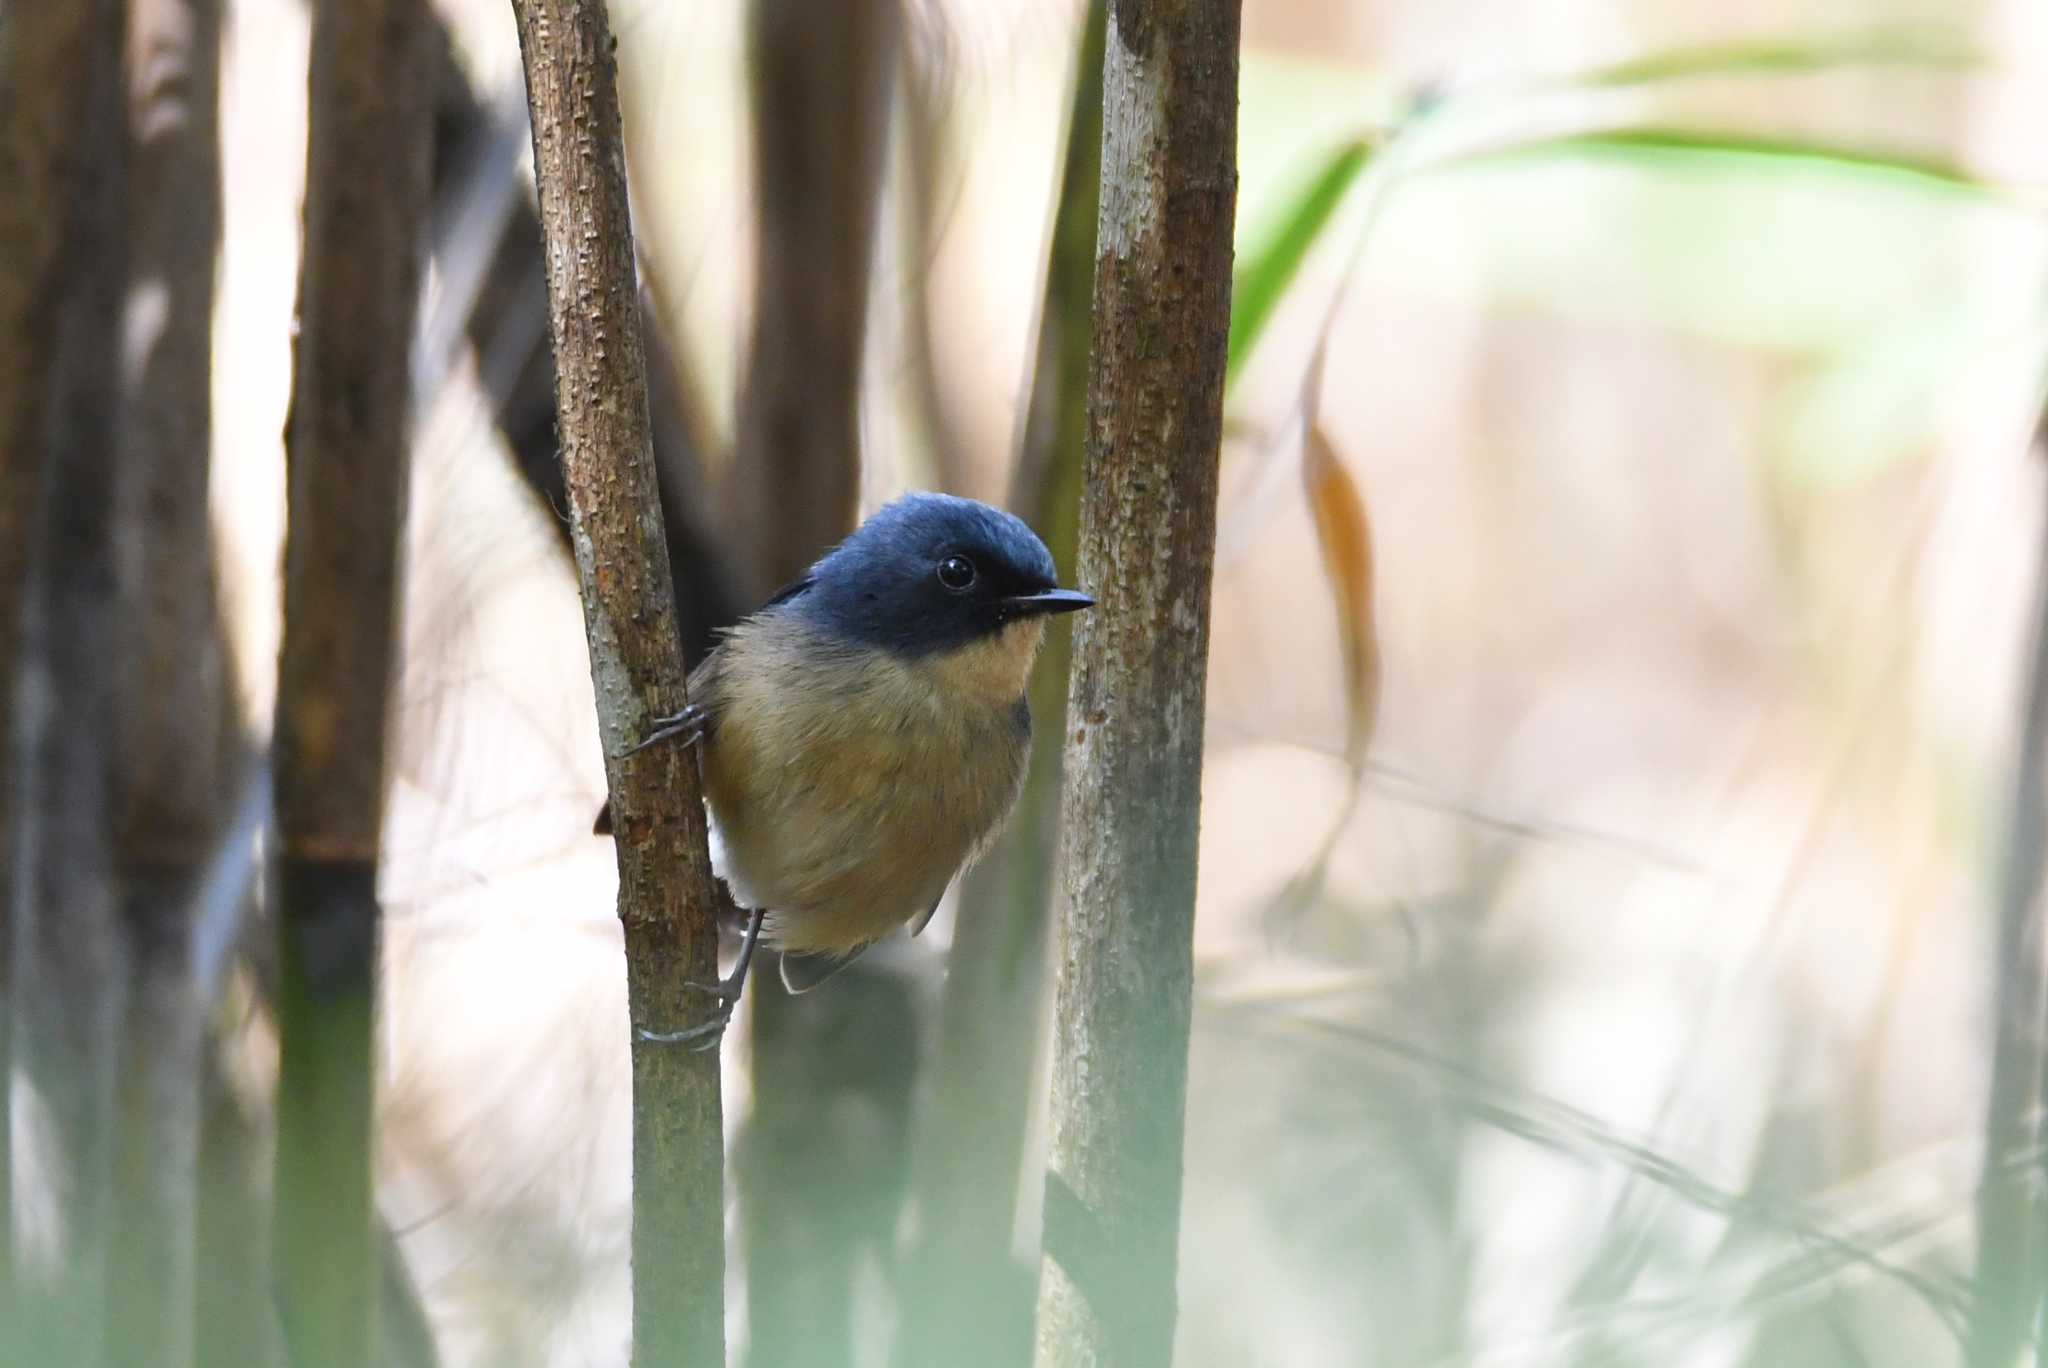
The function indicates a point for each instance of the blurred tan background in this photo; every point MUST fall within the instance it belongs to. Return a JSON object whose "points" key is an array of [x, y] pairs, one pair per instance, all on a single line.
{"points": [[1706, 526]]}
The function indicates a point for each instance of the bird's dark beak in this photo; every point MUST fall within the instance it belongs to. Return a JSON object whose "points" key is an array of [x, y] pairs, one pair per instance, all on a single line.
{"points": [[1050, 601]]}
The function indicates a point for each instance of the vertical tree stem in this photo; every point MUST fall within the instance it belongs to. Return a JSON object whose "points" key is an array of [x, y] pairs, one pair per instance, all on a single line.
{"points": [[366, 196], [169, 769], [69, 972], [814, 1198], [821, 100], [1132, 797], [666, 900], [969, 1303], [46, 58], [2009, 1210]]}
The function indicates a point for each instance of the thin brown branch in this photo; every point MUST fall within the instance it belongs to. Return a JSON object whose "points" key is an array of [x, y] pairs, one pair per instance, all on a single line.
{"points": [[347, 446], [666, 899], [821, 103], [1132, 794], [174, 726]]}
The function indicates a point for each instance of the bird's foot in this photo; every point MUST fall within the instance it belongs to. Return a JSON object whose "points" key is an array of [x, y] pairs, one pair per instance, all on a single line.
{"points": [[726, 990], [707, 1034], [687, 726]]}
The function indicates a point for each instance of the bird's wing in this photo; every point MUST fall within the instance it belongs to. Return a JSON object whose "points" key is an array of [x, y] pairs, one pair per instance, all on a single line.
{"points": [[790, 591], [923, 919], [801, 973]]}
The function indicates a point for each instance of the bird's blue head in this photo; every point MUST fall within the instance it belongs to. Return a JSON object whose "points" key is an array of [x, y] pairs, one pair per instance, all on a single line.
{"points": [[930, 573]]}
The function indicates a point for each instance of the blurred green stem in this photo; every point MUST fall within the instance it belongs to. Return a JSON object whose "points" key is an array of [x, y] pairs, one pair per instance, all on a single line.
{"points": [[347, 446], [970, 1299], [2009, 1208], [175, 724]]}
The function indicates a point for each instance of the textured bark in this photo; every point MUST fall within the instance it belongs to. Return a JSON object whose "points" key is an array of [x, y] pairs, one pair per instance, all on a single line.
{"points": [[69, 969], [366, 191], [173, 720], [666, 898], [46, 58], [2010, 1245], [973, 1300], [821, 103], [1132, 796]]}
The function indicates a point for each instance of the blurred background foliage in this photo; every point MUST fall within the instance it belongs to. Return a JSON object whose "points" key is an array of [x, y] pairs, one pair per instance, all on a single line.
{"points": [[1628, 533]]}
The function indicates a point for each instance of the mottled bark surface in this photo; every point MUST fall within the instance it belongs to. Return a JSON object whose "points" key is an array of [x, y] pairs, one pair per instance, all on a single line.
{"points": [[170, 765], [972, 1300], [366, 193], [1132, 797], [666, 898], [821, 103]]}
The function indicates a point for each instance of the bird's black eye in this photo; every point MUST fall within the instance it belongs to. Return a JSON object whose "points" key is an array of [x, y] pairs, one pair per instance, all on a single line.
{"points": [[956, 573]]}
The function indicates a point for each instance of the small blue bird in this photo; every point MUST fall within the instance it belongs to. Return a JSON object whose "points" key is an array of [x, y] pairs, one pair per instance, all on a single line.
{"points": [[865, 732]]}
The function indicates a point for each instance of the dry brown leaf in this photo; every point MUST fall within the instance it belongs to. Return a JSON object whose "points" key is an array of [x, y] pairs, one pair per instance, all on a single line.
{"points": [[1344, 537]]}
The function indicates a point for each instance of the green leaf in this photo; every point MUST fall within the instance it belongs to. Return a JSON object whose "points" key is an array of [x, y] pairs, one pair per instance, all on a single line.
{"points": [[1936, 48], [1655, 143], [1265, 271], [1271, 264]]}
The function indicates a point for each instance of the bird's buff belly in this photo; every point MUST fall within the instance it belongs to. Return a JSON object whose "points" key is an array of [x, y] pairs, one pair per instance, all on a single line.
{"points": [[839, 860]]}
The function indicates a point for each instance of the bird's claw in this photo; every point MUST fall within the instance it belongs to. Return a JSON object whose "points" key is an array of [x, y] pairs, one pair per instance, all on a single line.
{"points": [[726, 990], [710, 1032], [688, 726]]}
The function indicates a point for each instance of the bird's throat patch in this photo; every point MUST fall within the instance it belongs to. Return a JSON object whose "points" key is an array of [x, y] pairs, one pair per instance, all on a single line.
{"points": [[995, 668]]}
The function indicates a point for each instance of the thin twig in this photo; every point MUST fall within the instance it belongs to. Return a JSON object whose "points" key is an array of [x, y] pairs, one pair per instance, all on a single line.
{"points": [[666, 898]]}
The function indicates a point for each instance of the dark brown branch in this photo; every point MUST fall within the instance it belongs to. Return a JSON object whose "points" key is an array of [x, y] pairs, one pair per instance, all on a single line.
{"points": [[972, 1302], [366, 187], [1132, 796], [174, 725], [666, 899], [821, 103]]}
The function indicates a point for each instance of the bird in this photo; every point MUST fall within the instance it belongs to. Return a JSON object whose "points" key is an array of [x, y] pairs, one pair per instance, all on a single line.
{"points": [[865, 733]]}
